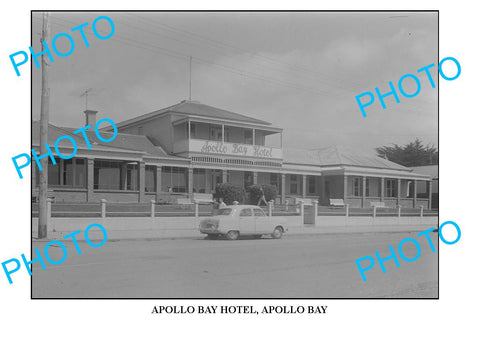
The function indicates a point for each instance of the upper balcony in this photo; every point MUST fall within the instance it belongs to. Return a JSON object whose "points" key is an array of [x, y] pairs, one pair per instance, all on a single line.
{"points": [[191, 136]]}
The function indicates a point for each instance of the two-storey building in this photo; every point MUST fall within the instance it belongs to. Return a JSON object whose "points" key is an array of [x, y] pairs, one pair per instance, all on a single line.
{"points": [[186, 149]]}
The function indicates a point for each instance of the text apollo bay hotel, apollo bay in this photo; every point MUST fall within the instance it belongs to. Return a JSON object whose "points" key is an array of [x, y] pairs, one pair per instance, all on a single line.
{"points": [[186, 149]]}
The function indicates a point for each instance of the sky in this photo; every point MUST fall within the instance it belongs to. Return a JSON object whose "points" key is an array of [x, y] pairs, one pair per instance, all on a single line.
{"points": [[300, 71]]}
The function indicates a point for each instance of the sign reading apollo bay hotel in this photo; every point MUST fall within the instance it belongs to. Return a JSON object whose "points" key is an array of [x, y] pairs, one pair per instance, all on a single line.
{"points": [[235, 149], [186, 149]]}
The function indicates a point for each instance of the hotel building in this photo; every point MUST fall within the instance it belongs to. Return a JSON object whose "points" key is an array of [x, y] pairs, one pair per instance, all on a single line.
{"points": [[184, 150]]}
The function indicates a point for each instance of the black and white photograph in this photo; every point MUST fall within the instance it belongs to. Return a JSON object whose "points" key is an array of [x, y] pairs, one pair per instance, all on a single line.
{"points": [[239, 170], [235, 154]]}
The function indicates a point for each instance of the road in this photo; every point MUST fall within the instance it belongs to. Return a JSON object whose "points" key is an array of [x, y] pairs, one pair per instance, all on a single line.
{"points": [[296, 266]]}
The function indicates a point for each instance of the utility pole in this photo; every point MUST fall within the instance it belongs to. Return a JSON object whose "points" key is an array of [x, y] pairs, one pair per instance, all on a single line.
{"points": [[190, 84], [44, 110]]}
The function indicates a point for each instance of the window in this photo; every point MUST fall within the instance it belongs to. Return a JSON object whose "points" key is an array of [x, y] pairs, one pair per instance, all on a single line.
{"points": [[390, 190], [53, 172], [410, 189], [259, 212], [224, 212], [150, 178], [199, 180], [248, 136], [115, 175], [215, 132], [174, 179], [357, 185], [67, 173], [246, 212], [193, 130], [311, 184], [274, 180], [293, 184], [367, 187], [247, 179], [132, 176]]}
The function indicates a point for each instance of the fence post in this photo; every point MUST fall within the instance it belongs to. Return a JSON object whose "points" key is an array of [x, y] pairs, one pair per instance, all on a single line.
{"points": [[152, 208], [196, 207], [270, 208], [347, 209], [421, 211], [302, 212], [315, 211], [374, 211], [103, 203], [399, 210]]}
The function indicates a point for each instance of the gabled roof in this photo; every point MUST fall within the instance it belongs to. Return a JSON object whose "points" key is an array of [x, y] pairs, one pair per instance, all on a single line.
{"points": [[194, 108], [335, 155], [123, 141]]}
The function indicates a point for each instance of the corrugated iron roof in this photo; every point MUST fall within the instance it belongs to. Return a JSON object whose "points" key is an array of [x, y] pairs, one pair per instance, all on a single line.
{"points": [[123, 141], [198, 109], [336, 155]]}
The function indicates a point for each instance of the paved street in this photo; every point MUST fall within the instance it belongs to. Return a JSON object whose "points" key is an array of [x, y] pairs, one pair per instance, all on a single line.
{"points": [[297, 266]]}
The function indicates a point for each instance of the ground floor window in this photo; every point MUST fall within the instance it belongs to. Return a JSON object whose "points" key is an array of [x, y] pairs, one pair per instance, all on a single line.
{"points": [[357, 186], [66, 173], [390, 190], [294, 184], [199, 180], [150, 178], [217, 178], [115, 175], [367, 187], [311, 184], [174, 179], [275, 180], [247, 179]]}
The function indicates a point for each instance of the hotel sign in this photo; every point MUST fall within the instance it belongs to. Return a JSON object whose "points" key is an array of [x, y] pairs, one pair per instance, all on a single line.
{"points": [[234, 149]]}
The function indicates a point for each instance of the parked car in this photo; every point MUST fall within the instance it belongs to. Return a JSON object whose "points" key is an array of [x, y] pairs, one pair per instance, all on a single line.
{"points": [[235, 220]]}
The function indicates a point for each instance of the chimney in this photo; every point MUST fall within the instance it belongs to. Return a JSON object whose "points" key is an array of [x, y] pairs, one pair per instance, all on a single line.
{"points": [[90, 117]]}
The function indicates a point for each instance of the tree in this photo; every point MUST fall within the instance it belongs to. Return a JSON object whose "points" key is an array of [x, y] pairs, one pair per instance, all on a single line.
{"points": [[229, 193], [411, 154], [270, 192]]}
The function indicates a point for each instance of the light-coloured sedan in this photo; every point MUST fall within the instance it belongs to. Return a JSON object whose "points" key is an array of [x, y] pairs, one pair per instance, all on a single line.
{"points": [[236, 220]]}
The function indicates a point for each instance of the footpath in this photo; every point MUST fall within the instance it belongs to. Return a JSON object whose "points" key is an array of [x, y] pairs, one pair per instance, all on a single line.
{"points": [[179, 231]]}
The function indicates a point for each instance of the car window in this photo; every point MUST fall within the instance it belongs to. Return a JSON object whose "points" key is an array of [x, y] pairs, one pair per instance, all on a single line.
{"points": [[258, 212], [224, 212], [246, 212]]}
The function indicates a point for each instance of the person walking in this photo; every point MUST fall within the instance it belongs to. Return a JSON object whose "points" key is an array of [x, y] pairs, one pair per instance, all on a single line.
{"points": [[262, 197]]}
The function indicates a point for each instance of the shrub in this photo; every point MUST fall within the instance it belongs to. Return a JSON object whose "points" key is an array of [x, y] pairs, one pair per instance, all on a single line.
{"points": [[229, 192], [255, 193]]}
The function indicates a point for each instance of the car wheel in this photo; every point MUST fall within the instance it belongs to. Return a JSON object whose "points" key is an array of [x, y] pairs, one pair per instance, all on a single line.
{"points": [[278, 232], [212, 236], [232, 235]]}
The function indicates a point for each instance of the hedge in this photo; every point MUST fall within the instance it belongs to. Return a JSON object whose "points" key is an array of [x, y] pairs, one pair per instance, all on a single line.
{"points": [[229, 192]]}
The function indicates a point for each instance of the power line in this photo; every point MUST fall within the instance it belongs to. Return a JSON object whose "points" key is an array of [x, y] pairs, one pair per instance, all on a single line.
{"points": [[252, 75], [221, 45]]}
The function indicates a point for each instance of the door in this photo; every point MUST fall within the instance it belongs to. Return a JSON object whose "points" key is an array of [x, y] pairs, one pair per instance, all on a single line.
{"points": [[263, 224], [246, 222]]}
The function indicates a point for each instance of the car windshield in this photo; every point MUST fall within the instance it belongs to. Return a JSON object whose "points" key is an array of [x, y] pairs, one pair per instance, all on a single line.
{"points": [[224, 212]]}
